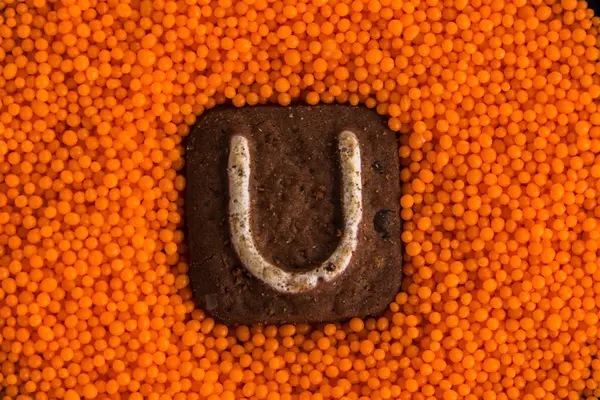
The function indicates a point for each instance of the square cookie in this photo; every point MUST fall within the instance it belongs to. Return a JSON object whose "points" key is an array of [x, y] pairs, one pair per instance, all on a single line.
{"points": [[293, 213]]}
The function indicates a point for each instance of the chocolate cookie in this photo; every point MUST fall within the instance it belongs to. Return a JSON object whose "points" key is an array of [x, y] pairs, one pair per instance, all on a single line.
{"points": [[293, 213]]}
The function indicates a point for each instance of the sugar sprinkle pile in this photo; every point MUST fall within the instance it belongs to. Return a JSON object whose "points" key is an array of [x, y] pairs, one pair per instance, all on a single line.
{"points": [[497, 103]]}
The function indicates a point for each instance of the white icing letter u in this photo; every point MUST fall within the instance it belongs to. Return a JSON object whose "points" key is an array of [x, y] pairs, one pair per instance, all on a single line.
{"points": [[239, 171]]}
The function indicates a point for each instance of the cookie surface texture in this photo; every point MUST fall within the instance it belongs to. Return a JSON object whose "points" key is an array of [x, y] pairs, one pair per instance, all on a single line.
{"points": [[293, 213]]}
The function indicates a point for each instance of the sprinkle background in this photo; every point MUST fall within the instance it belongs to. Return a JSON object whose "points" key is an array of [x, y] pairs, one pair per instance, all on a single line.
{"points": [[498, 105]]}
